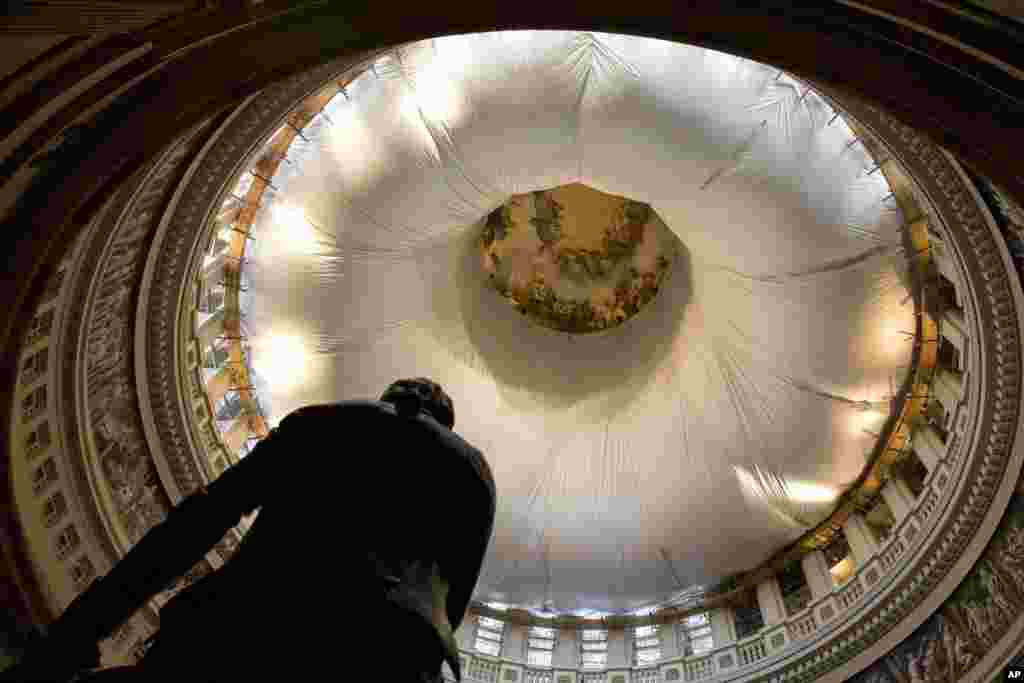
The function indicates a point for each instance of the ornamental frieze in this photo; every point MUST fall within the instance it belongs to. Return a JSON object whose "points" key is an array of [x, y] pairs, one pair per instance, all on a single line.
{"points": [[979, 482]]}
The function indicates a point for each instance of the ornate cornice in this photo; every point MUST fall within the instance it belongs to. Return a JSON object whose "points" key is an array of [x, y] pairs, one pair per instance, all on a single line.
{"points": [[984, 468], [991, 465], [173, 269], [111, 443]]}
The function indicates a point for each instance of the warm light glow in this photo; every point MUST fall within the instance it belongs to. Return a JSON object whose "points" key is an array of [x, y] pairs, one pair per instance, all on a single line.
{"points": [[783, 498], [810, 492], [890, 332], [294, 234], [283, 360], [865, 422], [359, 272], [842, 570], [434, 94]]}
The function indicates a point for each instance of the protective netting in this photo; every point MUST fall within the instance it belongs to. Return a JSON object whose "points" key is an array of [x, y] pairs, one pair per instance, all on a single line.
{"points": [[682, 446]]}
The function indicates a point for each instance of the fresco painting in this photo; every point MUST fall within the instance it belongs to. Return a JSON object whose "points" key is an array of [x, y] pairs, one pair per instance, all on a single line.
{"points": [[575, 259], [971, 621]]}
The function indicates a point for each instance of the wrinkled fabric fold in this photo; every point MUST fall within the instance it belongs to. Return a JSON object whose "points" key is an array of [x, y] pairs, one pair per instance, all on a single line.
{"points": [[611, 451]]}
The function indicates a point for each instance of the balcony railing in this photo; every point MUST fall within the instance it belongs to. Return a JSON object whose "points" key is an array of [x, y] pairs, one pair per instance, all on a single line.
{"points": [[772, 642]]}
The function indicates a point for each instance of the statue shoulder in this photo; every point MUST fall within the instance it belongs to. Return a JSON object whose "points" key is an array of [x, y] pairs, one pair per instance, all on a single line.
{"points": [[328, 413]]}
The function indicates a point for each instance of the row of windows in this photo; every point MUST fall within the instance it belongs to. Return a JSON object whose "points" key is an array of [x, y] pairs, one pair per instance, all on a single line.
{"points": [[694, 633], [37, 441]]}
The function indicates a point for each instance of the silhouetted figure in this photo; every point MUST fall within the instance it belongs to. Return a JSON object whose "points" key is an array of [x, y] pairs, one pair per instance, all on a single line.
{"points": [[374, 518]]}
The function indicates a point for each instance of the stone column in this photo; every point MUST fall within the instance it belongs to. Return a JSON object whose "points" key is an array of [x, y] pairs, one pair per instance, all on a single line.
{"points": [[819, 578], [211, 329], [898, 497], [953, 327], [566, 649], [513, 644], [944, 261], [948, 387], [769, 599], [862, 542], [669, 641], [928, 446], [723, 626], [618, 652]]}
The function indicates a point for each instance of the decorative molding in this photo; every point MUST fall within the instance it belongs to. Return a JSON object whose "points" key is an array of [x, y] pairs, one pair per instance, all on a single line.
{"points": [[175, 262], [982, 466], [945, 548], [113, 439], [990, 469]]}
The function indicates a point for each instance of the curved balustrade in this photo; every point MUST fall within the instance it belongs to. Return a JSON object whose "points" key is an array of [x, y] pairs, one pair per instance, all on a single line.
{"points": [[775, 640], [699, 669], [772, 641], [483, 670], [850, 593], [877, 564], [751, 651], [537, 676], [802, 625], [647, 676]]}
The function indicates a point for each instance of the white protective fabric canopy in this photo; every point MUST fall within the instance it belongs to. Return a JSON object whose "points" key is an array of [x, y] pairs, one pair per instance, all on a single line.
{"points": [[685, 445]]}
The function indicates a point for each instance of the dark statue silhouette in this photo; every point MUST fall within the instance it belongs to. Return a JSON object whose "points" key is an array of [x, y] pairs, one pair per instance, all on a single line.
{"points": [[373, 521]]}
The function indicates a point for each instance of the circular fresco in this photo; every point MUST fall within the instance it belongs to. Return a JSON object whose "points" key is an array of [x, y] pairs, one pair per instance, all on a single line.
{"points": [[575, 259]]}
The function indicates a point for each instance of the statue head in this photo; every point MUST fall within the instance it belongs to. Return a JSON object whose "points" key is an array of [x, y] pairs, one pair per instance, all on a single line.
{"points": [[420, 393]]}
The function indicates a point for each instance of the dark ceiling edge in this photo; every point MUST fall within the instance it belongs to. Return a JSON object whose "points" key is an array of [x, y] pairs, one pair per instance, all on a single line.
{"points": [[830, 43]]}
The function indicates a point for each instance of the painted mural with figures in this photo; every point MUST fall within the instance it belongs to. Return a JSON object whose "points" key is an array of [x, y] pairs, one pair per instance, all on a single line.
{"points": [[973, 618], [575, 259], [119, 446], [118, 437], [991, 598]]}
